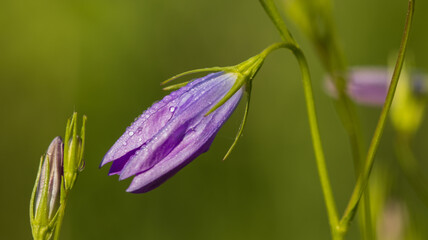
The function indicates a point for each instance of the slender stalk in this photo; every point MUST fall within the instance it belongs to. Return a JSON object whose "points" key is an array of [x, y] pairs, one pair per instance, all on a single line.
{"points": [[316, 141], [365, 174], [274, 15], [61, 211], [335, 64], [272, 11]]}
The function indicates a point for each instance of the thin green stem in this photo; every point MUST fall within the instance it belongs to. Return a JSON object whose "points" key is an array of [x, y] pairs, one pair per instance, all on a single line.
{"points": [[365, 174], [334, 62], [61, 212], [316, 140], [274, 15], [272, 11]]}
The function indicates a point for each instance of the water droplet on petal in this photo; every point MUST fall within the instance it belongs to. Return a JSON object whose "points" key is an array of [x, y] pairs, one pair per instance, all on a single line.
{"points": [[131, 133], [172, 109]]}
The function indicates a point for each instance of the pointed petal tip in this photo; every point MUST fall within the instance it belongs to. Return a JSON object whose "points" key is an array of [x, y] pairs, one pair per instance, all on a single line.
{"points": [[104, 161], [133, 188], [124, 175]]}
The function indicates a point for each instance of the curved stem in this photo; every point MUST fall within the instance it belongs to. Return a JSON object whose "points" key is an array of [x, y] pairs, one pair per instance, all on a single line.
{"points": [[272, 11], [336, 66], [316, 140], [365, 174], [274, 15]]}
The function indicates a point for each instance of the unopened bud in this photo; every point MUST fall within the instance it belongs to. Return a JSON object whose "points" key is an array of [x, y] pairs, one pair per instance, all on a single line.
{"points": [[73, 151], [45, 200]]}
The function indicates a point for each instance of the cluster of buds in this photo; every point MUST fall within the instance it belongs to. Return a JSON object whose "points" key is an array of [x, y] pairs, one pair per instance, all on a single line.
{"points": [[57, 173]]}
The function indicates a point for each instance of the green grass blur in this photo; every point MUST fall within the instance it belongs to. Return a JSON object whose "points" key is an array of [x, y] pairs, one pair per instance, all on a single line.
{"points": [[106, 59]]}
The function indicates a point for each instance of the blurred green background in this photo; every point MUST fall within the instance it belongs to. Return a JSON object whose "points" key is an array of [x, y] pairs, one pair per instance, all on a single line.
{"points": [[106, 59]]}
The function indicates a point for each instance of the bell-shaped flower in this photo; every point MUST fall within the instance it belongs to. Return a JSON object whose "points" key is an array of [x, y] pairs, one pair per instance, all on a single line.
{"points": [[180, 127], [369, 86]]}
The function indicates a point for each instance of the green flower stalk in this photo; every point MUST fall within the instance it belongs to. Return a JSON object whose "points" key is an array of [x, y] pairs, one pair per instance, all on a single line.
{"points": [[57, 174], [340, 226]]}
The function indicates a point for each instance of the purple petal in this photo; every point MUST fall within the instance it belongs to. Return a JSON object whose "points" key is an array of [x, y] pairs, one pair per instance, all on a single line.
{"points": [[366, 85], [190, 109], [196, 141], [369, 85], [150, 122], [118, 164]]}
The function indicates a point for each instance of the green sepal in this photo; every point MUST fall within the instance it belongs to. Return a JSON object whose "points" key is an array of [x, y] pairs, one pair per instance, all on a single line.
{"points": [[244, 120], [246, 72], [41, 225], [81, 164], [175, 86], [240, 81], [33, 194], [42, 211], [212, 69]]}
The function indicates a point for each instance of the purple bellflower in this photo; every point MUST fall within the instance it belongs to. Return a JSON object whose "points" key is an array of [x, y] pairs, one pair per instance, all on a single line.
{"points": [[180, 127], [369, 85]]}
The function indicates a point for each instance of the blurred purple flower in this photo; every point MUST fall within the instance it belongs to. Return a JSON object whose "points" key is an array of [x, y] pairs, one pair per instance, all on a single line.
{"points": [[369, 85], [173, 132]]}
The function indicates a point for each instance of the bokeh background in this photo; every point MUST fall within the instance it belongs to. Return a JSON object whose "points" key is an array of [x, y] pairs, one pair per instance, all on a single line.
{"points": [[106, 59]]}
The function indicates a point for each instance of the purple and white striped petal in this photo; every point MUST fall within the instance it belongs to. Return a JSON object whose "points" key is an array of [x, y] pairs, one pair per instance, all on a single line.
{"points": [[150, 122], [196, 141], [172, 132], [190, 108]]}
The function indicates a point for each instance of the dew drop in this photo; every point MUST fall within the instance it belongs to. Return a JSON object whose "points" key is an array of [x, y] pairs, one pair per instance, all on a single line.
{"points": [[172, 109], [131, 133]]}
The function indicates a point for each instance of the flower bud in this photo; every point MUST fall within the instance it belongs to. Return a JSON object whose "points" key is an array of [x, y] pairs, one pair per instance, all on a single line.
{"points": [[73, 151], [45, 200]]}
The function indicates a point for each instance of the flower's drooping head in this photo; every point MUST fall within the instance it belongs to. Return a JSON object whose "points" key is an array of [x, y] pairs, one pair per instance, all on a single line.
{"points": [[180, 127]]}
